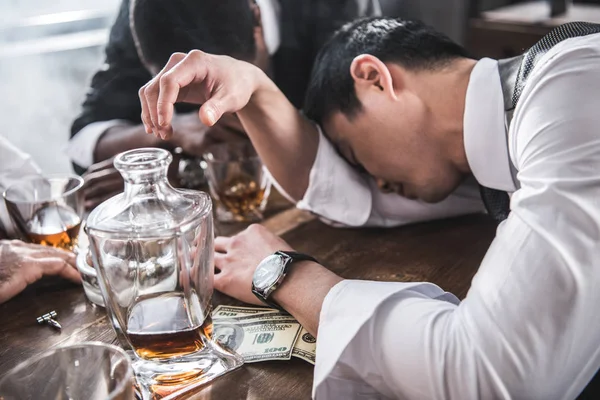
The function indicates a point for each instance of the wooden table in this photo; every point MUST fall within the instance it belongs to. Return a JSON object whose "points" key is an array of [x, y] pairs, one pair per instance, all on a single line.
{"points": [[444, 252], [509, 31]]}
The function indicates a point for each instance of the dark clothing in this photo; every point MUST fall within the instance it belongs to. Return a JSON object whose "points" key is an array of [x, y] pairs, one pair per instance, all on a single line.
{"points": [[305, 26]]}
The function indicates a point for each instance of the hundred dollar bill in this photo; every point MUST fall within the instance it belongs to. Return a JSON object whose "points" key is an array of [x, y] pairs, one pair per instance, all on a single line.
{"points": [[231, 311], [305, 347], [263, 338]]}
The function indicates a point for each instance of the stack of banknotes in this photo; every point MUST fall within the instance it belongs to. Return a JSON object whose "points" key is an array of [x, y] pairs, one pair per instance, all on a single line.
{"points": [[262, 334]]}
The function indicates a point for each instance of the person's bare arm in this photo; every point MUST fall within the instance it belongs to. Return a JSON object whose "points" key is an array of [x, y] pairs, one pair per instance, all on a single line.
{"points": [[284, 139]]}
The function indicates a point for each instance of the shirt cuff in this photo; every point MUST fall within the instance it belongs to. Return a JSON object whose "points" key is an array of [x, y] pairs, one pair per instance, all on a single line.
{"points": [[336, 191], [81, 146], [347, 307]]}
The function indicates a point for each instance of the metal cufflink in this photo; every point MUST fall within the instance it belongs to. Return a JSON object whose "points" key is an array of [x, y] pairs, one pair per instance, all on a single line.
{"points": [[49, 319]]}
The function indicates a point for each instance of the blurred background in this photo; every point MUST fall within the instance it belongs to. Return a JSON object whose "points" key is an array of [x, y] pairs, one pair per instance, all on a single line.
{"points": [[48, 52], [50, 49]]}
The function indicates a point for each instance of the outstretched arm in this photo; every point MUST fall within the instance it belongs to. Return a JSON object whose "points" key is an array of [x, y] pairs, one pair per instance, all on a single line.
{"points": [[286, 142]]}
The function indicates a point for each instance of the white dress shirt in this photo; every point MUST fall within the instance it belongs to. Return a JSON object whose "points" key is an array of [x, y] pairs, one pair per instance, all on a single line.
{"points": [[14, 166], [529, 326]]}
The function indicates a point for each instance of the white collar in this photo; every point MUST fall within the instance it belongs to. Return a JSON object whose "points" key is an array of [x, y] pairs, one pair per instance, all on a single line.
{"points": [[270, 18], [484, 128]]}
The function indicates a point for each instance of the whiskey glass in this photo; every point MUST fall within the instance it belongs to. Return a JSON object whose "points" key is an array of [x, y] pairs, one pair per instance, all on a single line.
{"points": [[238, 181], [152, 247], [47, 210], [86, 371]]}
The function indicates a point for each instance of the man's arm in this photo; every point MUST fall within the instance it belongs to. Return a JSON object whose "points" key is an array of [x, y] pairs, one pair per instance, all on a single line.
{"points": [[291, 147], [528, 327], [284, 139], [112, 94]]}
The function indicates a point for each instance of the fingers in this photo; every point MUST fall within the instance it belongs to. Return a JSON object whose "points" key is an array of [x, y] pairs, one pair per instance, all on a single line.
{"points": [[213, 109], [166, 92], [149, 95], [220, 261], [196, 78], [16, 243], [40, 252], [222, 282], [222, 244], [60, 267], [145, 109], [170, 82]]}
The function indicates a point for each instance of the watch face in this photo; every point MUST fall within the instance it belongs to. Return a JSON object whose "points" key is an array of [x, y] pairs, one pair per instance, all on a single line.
{"points": [[268, 272]]}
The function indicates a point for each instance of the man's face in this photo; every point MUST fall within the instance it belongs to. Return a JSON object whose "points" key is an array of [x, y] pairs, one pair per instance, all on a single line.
{"points": [[261, 59], [395, 143]]}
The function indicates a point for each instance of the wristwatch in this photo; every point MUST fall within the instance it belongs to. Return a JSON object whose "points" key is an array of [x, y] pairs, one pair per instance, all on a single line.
{"points": [[271, 272]]}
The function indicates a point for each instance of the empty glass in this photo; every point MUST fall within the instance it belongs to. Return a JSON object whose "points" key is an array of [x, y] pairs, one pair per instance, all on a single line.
{"points": [[86, 371], [238, 181], [47, 210], [152, 248]]}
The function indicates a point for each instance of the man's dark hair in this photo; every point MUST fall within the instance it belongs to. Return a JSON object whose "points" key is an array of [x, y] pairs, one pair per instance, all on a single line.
{"points": [[163, 27], [411, 44]]}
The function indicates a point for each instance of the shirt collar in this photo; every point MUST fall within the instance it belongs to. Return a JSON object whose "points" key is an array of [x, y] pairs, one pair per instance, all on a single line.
{"points": [[484, 128], [269, 15]]}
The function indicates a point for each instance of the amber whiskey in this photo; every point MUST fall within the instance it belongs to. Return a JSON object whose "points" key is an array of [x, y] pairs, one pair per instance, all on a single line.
{"points": [[55, 226], [242, 196], [160, 327]]}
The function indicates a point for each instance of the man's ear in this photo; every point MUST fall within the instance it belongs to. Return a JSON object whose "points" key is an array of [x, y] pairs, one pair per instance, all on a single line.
{"points": [[370, 73]]}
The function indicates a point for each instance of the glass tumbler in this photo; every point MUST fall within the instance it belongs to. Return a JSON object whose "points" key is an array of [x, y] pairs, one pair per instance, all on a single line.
{"points": [[152, 247], [86, 371], [238, 181], [47, 209]]}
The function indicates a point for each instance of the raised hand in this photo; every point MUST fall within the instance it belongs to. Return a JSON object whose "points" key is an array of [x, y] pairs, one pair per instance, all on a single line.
{"points": [[220, 83]]}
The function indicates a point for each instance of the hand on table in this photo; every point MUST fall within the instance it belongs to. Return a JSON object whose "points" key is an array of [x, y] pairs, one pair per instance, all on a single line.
{"points": [[22, 264], [302, 292], [237, 257]]}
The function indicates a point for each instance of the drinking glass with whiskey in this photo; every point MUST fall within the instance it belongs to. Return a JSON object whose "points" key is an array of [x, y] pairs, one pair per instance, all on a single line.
{"points": [[152, 247], [238, 181], [47, 210]]}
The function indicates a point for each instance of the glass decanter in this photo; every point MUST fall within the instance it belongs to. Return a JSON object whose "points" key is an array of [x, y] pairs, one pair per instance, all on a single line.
{"points": [[152, 247]]}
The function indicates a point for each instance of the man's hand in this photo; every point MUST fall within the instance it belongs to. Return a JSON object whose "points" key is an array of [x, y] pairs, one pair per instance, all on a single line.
{"points": [[102, 181], [286, 142], [302, 292], [22, 264], [237, 257], [221, 84]]}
